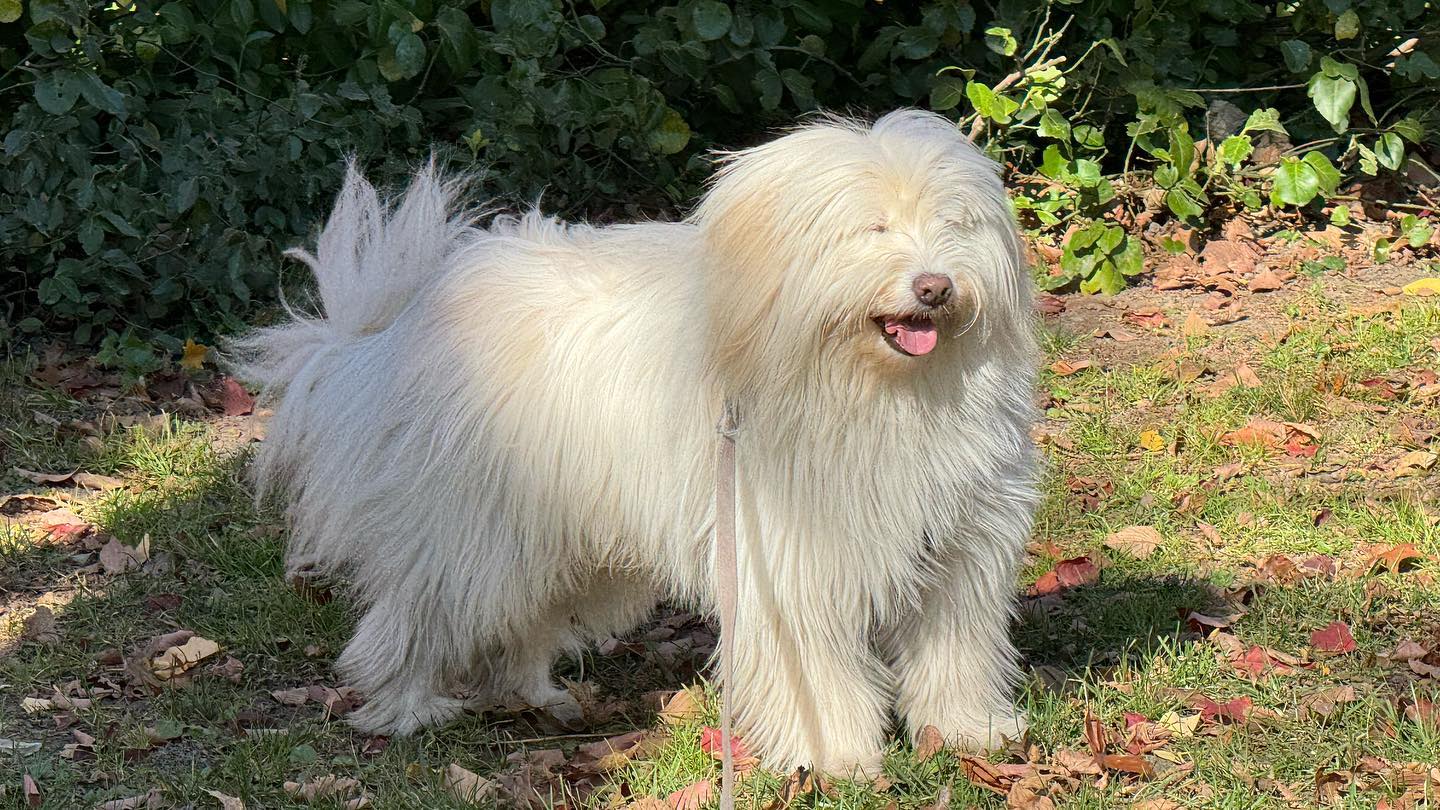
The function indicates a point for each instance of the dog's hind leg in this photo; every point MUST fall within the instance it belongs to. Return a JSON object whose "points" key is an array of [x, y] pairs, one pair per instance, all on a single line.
{"points": [[400, 667]]}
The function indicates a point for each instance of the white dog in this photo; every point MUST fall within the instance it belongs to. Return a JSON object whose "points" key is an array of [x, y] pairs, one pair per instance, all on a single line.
{"points": [[504, 437]]}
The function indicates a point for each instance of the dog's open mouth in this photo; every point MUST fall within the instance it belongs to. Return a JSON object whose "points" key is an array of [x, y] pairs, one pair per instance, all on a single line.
{"points": [[910, 336]]}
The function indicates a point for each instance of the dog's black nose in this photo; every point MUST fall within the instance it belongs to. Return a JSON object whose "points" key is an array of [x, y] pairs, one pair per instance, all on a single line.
{"points": [[932, 289]]}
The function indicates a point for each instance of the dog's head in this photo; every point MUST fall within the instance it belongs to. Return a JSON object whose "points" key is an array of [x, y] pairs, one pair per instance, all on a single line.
{"points": [[889, 245]]}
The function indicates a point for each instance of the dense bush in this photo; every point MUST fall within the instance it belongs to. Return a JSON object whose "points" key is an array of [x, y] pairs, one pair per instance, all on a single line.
{"points": [[156, 157]]}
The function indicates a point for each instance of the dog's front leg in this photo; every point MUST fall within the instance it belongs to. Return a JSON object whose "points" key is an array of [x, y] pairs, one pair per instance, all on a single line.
{"points": [[954, 663], [808, 688]]}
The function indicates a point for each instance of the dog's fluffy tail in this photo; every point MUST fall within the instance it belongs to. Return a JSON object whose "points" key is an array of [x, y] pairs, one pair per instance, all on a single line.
{"points": [[369, 262]]}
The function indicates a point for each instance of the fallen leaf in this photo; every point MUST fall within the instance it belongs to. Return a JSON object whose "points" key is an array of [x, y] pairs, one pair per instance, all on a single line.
{"points": [[1194, 326], [31, 791], [291, 697], [1064, 368], [1137, 541], [227, 802], [1395, 558], [1117, 335], [682, 707], [1265, 281], [1179, 725], [1333, 638], [691, 797], [1156, 804], [929, 743], [180, 659], [1323, 703], [117, 558], [1151, 440], [192, 357], [1067, 574], [19, 746], [153, 799], [711, 743], [234, 399], [1048, 304], [1231, 711], [1128, 763], [466, 786], [1257, 433], [1415, 462], [323, 787], [1423, 286]]}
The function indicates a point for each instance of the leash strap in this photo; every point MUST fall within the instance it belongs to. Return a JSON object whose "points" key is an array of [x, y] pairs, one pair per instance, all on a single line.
{"points": [[726, 585]]}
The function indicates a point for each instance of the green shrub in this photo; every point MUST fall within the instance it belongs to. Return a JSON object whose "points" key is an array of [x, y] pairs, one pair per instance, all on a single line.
{"points": [[157, 157]]}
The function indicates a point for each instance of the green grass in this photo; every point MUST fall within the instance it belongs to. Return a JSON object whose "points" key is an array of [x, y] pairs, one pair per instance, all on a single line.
{"points": [[1104, 649]]}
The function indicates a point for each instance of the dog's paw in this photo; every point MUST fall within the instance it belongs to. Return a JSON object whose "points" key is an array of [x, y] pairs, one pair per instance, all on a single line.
{"points": [[403, 715], [558, 703], [988, 734]]}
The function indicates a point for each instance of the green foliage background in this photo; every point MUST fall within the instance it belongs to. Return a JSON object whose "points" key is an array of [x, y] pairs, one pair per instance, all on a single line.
{"points": [[156, 157]]}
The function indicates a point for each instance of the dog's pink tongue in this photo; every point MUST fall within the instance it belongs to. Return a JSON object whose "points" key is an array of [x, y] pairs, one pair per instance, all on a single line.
{"points": [[914, 336]]}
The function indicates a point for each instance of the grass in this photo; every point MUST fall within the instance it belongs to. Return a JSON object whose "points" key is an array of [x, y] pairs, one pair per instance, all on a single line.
{"points": [[1103, 649]]}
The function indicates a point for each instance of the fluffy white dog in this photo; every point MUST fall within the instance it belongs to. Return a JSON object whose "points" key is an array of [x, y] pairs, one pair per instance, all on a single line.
{"points": [[503, 436]]}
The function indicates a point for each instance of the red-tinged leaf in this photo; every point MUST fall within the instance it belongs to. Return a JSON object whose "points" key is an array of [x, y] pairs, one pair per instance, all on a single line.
{"points": [[1334, 638], [1077, 571], [1231, 711], [712, 743], [1134, 718], [692, 797], [1320, 565], [234, 399], [1296, 449], [1048, 583], [31, 791], [1047, 304], [1256, 661]]}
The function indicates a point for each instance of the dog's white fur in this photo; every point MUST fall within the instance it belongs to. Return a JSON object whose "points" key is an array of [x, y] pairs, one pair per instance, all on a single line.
{"points": [[504, 438]]}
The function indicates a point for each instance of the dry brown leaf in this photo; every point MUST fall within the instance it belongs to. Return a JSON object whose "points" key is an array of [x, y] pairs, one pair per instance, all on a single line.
{"points": [[1194, 326], [1266, 281], [180, 659], [227, 802], [291, 697], [153, 799], [1323, 703], [466, 786], [323, 787], [928, 743], [682, 707], [31, 791], [1137, 541], [1064, 368], [1414, 463], [117, 558]]}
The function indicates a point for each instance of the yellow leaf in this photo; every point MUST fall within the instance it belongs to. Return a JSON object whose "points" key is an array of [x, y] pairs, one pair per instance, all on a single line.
{"points": [[1152, 441], [1423, 286], [193, 356], [1178, 725]]}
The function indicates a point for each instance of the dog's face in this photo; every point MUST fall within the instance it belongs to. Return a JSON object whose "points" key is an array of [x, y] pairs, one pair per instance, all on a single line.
{"points": [[888, 245]]}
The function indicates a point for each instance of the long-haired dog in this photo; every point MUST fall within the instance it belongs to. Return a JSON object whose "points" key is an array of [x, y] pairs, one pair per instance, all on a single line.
{"points": [[503, 436]]}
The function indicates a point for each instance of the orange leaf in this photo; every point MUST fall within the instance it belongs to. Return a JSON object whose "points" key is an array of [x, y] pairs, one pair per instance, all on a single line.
{"points": [[1064, 368]]}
